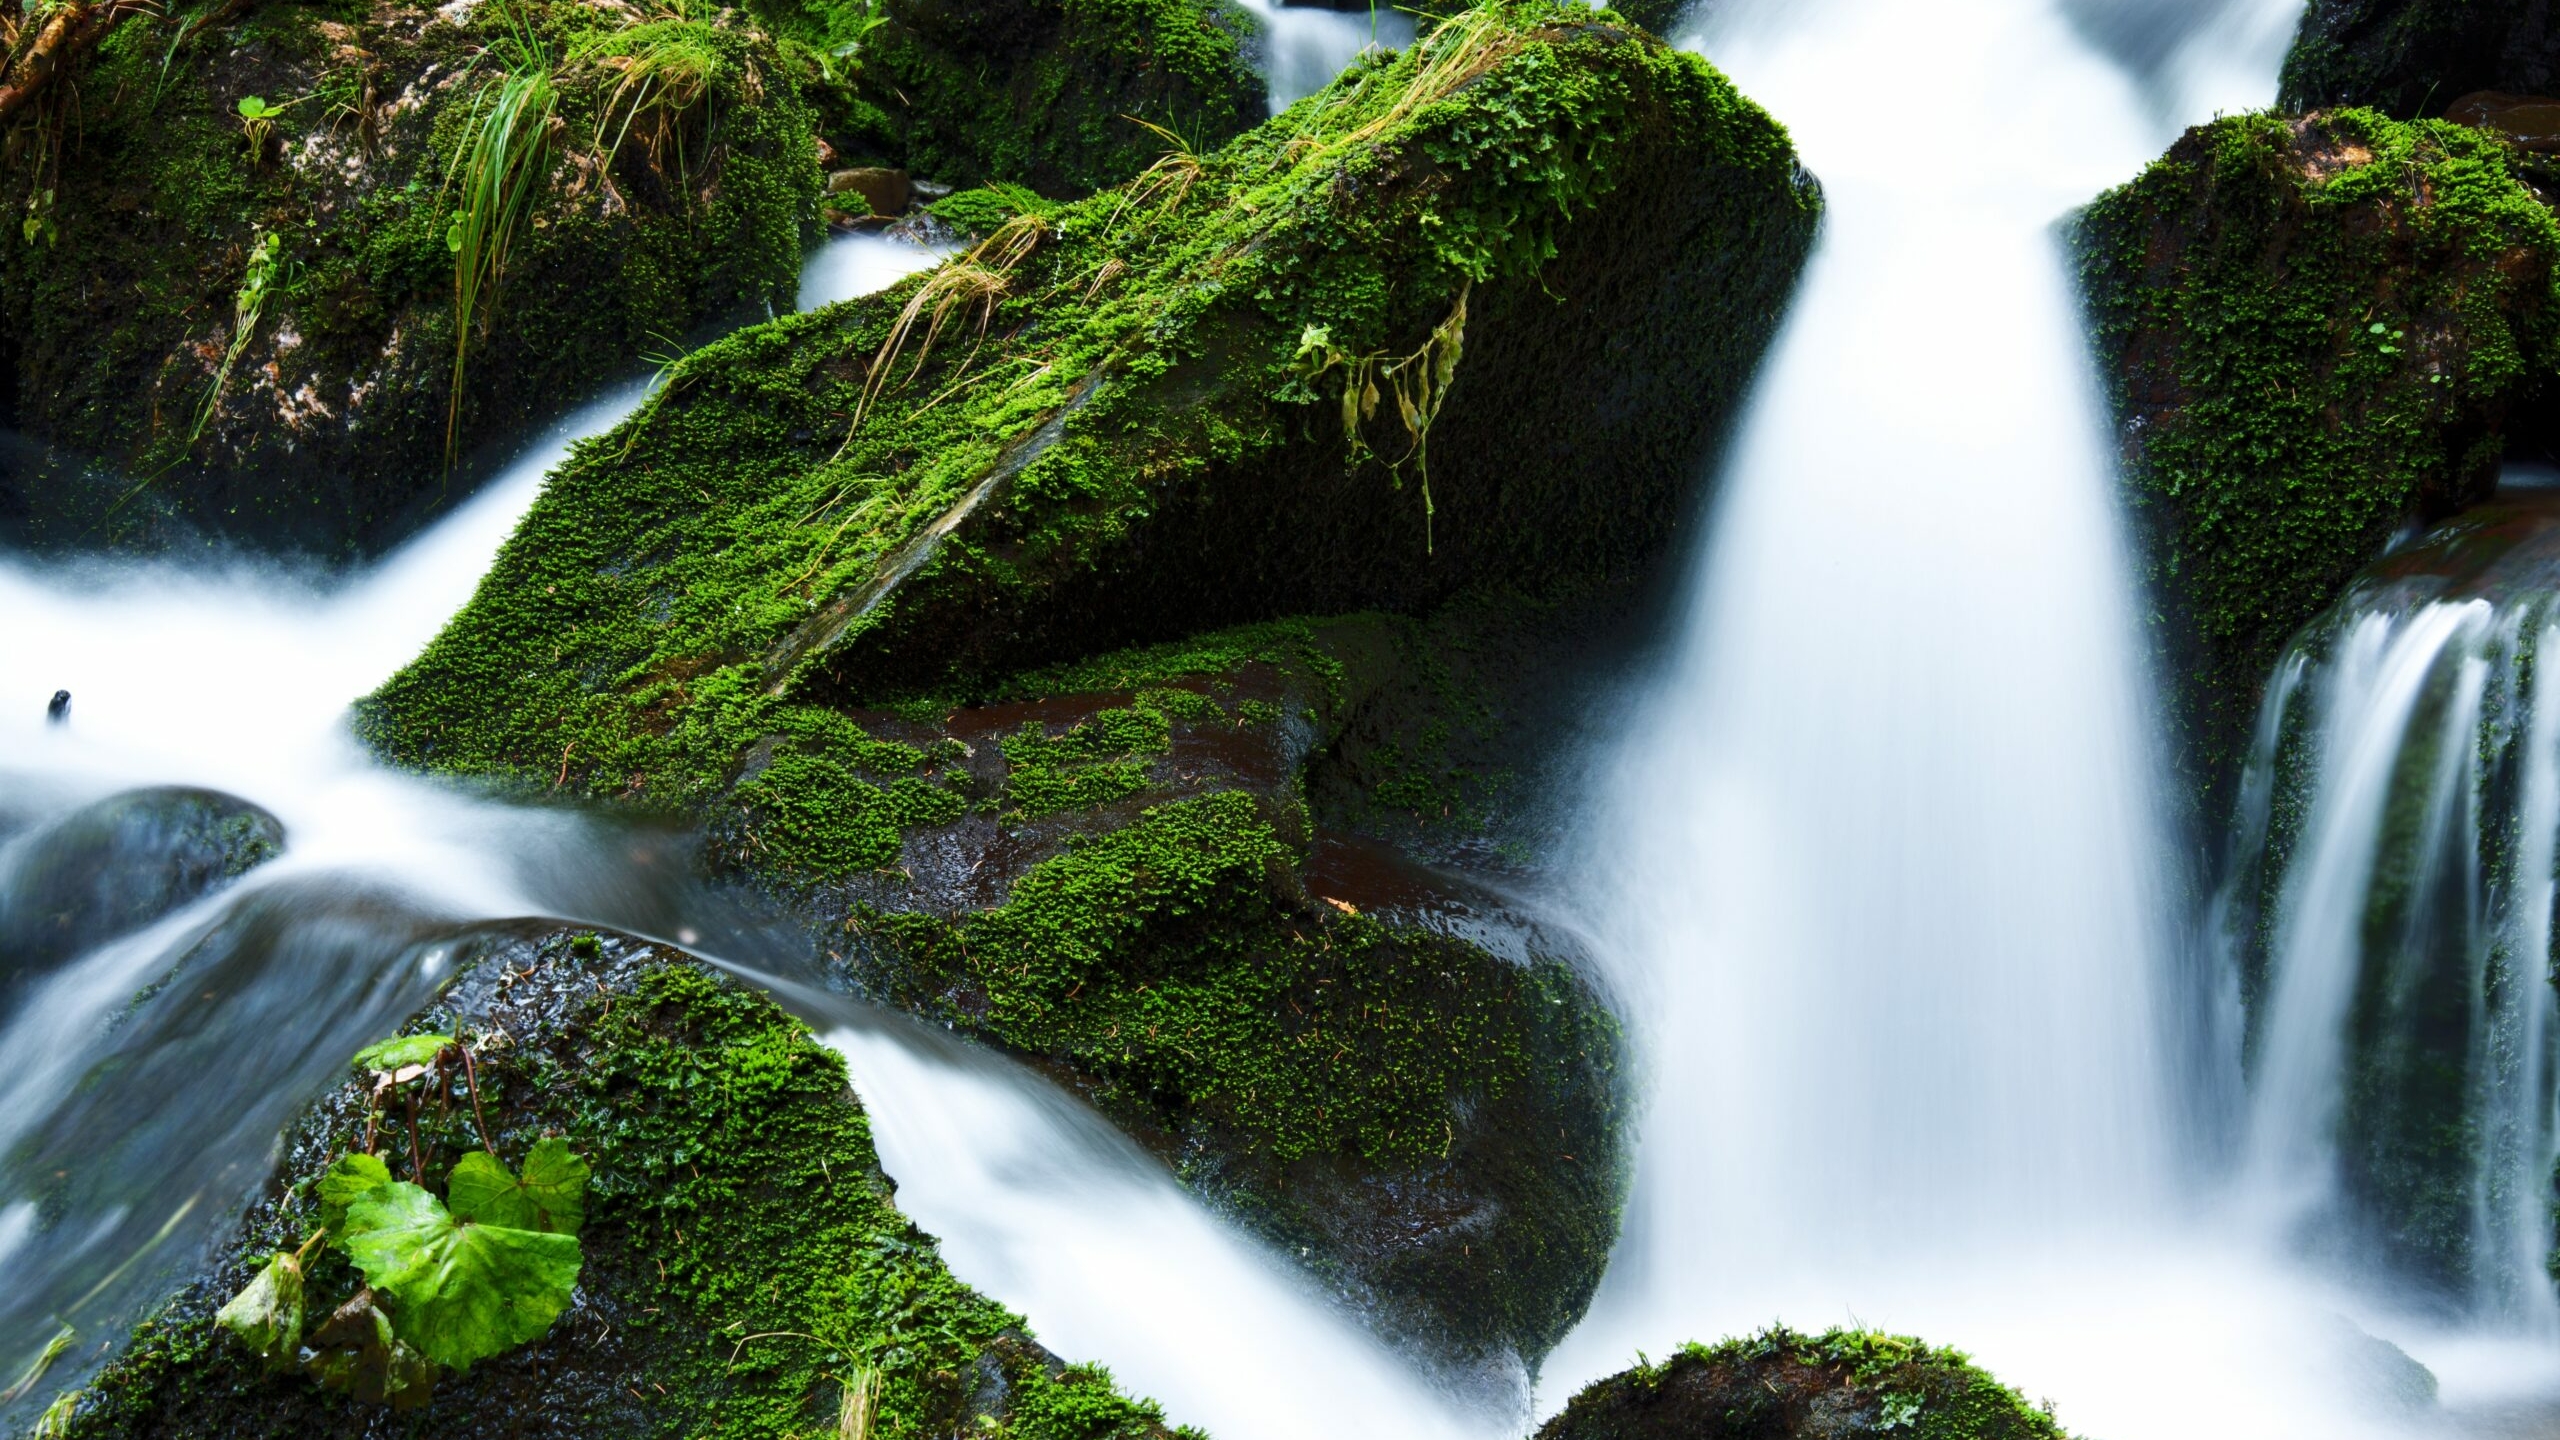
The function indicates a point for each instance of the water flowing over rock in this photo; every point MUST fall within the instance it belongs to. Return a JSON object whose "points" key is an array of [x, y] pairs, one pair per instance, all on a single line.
{"points": [[112, 867], [2388, 919], [743, 1259], [1158, 412]]}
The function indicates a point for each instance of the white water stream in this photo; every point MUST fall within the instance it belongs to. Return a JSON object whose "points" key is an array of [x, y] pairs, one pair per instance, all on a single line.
{"points": [[1883, 878]]}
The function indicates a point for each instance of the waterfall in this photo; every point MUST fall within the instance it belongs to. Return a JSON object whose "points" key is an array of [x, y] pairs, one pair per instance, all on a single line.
{"points": [[1302, 47], [2387, 920], [1880, 863]]}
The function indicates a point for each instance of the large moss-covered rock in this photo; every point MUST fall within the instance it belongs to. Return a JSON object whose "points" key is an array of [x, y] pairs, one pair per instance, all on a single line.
{"points": [[2312, 330], [807, 593], [1126, 421], [1058, 95], [247, 325], [2412, 58], [742, 1255], [1781, 1385]]}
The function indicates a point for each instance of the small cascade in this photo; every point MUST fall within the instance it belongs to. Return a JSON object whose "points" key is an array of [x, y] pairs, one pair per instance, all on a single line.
{"points": [[1302, 47], [2387, 922]]}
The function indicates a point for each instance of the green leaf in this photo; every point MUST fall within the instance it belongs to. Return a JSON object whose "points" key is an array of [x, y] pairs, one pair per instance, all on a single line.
{"points": [[460, 1292], [252, 106], [401, 1052], [551, 1196], [354, 1350], [453, 237], [268, 1314], [351, 1179]]}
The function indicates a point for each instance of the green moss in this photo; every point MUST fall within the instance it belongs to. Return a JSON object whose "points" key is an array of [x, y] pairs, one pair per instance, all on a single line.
{"points": [[332, 430], [1058, 94], [744, 1255], [2312, 330], [1131, 420], [1845, 1383]]}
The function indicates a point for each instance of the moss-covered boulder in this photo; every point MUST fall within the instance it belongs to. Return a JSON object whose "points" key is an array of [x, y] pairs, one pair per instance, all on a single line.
{"points": [[1065, 96], [230, 305], [815, 595], [743, 1260], [1382, 1067], [1546, 243], [2312, 331], [2412, 58], [1781, 1385]]}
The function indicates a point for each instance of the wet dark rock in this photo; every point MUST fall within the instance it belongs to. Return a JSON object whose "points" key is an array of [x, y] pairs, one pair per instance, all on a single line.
{"points": [[2531, 121], [113, 867], [201, 338], [2413, 57], [887, 192], [1780, 1385]]}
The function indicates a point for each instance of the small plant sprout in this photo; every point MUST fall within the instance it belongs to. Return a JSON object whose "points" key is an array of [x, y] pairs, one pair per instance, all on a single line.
{"points": [[248, 307], [448, 1280], [258, 120]]}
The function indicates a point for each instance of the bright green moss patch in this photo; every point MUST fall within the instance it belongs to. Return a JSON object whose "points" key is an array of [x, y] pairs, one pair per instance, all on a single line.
{"points": [[1058, 94], [2313, 330], [1842, 1383], [317, 416], [744, 1256]]}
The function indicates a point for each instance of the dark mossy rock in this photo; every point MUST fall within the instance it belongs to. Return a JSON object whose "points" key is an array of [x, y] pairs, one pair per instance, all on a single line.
{"points": [[2312, 331], [1058, 94], [174, 375], [1386, 1067], [1780, 1385], [112, 867], [1658, 16], [2412, 58], [741, 1252]]}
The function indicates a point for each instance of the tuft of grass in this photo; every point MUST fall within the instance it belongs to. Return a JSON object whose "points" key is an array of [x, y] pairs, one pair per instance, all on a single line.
{"points": [[1419, 382], [980, 279], [662, 77], [859, 1405], [501, 167]]}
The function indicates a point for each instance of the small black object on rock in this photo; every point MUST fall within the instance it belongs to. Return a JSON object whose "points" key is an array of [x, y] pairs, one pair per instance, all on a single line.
{"points": [[59, 710]]}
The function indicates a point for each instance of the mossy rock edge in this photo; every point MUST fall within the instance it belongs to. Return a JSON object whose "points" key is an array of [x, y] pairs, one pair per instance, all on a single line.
{"points": [[742, 1249], [1783, 1385]]}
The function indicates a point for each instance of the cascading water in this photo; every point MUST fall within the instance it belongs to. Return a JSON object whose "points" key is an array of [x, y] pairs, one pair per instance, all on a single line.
{"points": [[144, 1081], [2388, 922], [1881, 874], [1304, 46]]}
